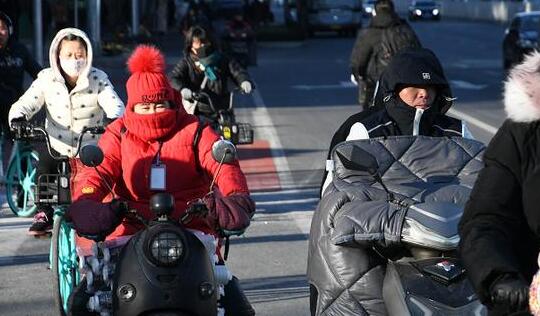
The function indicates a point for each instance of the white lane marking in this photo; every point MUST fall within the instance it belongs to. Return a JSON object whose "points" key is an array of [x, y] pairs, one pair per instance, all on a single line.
{"points": [[472, 120], [341, 85], [460, 84], [268, 131], [291, 201], [15, 227], [292, 191], [478, 63], [277, 289]]}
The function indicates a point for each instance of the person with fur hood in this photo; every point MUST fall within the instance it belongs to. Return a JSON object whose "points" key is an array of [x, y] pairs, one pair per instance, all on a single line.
{"points": [[500, 227], [75, 95], [156, 131]]}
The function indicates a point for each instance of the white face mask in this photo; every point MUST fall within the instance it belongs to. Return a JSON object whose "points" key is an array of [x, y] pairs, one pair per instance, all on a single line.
{"points": [[72, 67]]}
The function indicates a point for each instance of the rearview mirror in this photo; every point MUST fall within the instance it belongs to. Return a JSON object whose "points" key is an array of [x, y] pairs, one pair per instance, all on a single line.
{"points": [[224, 151], [355, 158], [91, 156]]}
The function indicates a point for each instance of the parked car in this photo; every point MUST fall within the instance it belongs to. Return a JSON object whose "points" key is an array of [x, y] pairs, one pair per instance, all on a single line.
{"points": [[369, 8], [342, 16], [521, 37], [424, 10]]}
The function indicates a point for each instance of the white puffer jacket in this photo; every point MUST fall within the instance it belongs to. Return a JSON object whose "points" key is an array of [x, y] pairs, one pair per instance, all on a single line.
{"points": [[68, 112]]}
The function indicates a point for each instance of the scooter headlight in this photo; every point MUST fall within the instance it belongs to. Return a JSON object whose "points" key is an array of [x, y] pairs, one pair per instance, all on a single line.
{"points": [[166, 248]]}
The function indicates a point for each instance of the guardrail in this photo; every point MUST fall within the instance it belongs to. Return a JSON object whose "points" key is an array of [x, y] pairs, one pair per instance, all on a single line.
{"points": [[478, 10]]}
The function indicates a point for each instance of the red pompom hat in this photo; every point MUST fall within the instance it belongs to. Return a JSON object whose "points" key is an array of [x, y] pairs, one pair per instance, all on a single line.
{"points": [[148, 82]]}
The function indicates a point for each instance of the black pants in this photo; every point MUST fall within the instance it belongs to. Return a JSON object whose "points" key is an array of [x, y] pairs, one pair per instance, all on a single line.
{"points": [[235, 301], [366, 91]]}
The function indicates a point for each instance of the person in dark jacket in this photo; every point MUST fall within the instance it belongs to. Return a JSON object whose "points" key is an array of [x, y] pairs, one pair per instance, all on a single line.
{"points": [[500, 227], [15, 60], [413, 94], [364, 73], [205, 68]]}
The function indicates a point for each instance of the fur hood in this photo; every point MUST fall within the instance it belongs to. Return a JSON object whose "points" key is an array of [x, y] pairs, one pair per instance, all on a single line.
{"points": [[522, 90]]}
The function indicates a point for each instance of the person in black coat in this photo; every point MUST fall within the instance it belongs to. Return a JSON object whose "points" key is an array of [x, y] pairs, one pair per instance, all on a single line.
{"points": [[364, 72], [205, 68], [500, 227], [15, 60], [394, 115]]}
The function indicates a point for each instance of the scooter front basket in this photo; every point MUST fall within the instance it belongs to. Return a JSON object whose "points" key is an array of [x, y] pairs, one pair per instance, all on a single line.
{"points": [[237, 133], [245, 133]]}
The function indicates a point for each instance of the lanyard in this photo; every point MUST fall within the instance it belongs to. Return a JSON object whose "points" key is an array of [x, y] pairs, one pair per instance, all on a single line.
{"points": [[157, 160]]}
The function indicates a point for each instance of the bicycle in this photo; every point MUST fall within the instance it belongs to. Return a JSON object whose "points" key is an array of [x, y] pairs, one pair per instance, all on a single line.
{"points": [[20, 179], [54, 190]]}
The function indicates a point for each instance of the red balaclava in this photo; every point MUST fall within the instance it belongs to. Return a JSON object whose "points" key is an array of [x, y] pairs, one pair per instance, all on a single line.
{"points": [[149, 84]]}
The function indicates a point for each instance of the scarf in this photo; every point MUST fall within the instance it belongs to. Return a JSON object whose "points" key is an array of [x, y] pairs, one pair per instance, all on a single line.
{"points": [[152, 127], [404, 115], [210, 64]]}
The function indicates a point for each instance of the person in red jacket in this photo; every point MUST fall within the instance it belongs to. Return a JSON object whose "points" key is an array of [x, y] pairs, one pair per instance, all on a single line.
{"points": [[156, 130]]}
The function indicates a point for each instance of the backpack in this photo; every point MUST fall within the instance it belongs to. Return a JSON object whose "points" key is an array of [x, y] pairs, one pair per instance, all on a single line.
{"points": [[395, 38]]}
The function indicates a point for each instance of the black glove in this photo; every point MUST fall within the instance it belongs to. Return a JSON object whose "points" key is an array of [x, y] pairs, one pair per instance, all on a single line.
{"points": [[18, 122], [510, 292]]}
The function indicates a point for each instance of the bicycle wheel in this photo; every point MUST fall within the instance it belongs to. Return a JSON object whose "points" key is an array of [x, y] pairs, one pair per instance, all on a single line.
{"points": [[64, 262], [21, 182]]}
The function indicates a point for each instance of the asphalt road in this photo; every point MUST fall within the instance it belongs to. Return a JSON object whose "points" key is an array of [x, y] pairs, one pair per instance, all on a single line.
{"points": [[302, 96]]}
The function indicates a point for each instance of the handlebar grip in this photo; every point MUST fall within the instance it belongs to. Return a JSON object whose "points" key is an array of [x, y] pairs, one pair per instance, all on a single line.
{"points": [[97, 130]]}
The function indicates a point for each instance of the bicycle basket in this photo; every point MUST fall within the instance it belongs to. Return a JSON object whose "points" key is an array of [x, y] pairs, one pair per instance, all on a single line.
{"points": [[245, 133], [237, 133], [53, 189]]}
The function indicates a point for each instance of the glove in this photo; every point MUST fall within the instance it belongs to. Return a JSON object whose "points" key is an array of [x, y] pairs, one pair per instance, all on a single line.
{"points": [[186, 94], [510, 292], [94, 219], [353, 80], [246, 87], [232, 212], [18, 122]]}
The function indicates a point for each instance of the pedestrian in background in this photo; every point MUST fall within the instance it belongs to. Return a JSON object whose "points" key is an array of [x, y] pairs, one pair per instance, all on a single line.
{"points": [[386, 35], [15, 60]]}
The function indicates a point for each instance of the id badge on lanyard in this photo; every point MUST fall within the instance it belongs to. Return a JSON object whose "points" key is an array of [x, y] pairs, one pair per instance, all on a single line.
{"points": [[158, 174]]}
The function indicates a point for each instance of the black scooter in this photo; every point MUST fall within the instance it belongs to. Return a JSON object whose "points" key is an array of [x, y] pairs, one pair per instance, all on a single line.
{"points": [[165, 269]]}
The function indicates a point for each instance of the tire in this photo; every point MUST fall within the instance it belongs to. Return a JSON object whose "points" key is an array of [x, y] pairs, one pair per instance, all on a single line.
{"points": [[21, 182], [64, 263], [313, 298]]}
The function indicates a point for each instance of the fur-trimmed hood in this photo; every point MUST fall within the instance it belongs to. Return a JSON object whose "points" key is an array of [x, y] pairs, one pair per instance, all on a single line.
{"points": [[522, 90]]}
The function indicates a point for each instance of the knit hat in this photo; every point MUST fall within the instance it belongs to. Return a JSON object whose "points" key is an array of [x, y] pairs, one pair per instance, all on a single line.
{"points": [[148, 82]]}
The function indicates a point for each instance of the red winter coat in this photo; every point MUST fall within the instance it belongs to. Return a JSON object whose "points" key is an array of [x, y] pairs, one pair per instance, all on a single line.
{"points": [[128, 159]]}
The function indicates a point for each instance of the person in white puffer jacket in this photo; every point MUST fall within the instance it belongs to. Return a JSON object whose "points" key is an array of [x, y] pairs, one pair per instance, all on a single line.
{"points": [[76, 95]]}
